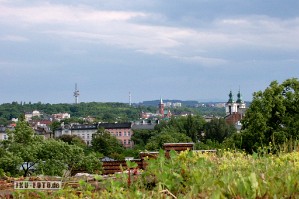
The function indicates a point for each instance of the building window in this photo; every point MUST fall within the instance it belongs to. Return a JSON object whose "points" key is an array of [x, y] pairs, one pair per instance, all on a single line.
{"points": [[125, 142], [87, 142], [4, 137], [82, 135], [119, 134], [125, 133], [129, 141], [129, 133], [87, 136]]}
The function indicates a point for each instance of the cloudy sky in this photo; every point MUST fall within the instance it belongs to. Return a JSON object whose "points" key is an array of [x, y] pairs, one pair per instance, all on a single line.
{"points": [[188, 50]]}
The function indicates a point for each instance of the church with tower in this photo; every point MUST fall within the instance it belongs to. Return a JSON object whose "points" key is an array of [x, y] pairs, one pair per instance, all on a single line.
{"points": [[235, 110], [162, 112]]}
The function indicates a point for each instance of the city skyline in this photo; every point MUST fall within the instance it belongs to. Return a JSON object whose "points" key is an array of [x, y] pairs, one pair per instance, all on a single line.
{"points": [[188, 50]]}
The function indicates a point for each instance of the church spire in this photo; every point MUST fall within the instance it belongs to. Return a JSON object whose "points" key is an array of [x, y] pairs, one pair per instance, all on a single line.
{"points": [[161, 107], [239, 100], [230, 100]]}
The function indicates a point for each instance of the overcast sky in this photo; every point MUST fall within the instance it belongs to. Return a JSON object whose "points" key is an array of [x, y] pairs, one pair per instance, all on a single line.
{"points": [[188, 50]]}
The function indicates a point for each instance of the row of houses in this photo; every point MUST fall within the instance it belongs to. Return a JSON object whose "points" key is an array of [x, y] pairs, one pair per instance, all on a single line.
{"points": [[122, 131], [38, 127], [56, 117]]}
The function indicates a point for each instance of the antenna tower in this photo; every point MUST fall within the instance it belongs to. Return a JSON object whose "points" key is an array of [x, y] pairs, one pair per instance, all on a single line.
{"points": [[76, 94], [130, 99]]}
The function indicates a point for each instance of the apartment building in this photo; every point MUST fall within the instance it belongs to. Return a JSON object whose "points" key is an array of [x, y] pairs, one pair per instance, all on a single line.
{"points": [[122, 131]]}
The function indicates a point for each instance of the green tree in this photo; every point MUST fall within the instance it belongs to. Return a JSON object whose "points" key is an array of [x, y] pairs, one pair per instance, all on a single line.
{"points": [[109, 117], [4, 121], [57, 156], [54, 126], [26, 151], [105, 143], [191, 126], [140, 137], [167, 135], [9, 162], [273, 116], [161, 125], [72, 140], [218, 130], [23, 143]]}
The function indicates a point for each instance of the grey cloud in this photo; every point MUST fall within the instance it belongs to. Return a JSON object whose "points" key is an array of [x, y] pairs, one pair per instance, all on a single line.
{"points": [[207, 46]]}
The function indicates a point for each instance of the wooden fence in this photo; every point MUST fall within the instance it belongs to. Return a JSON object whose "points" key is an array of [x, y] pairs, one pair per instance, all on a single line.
{"points": [[111, 167]]}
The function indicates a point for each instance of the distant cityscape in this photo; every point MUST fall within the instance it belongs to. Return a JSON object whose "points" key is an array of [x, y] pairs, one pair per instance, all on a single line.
{"points": [[234, 112]]}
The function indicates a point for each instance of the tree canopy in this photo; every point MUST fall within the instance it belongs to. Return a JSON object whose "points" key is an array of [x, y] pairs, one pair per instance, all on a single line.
{"points": [[191, 126], [273, 116], [24, 151], [167, 135], [105, 143], [73, 140], [141, 137], [218, 130]]}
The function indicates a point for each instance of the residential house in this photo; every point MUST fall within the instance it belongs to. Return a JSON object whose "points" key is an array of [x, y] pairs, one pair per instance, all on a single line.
{"points": [[61, 116], [29, 115]]}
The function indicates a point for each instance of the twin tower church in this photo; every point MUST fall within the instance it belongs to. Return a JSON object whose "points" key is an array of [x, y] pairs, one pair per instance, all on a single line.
{"points": [[235, 110], [232, 106]]}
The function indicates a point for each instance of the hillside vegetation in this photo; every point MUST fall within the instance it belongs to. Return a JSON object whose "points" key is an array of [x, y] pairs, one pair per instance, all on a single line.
{"points": [[107, 112]]}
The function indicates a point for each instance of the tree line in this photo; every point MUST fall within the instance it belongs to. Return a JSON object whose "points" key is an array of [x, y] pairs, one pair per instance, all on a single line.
{"points": [[105, 112], [101, 111]]}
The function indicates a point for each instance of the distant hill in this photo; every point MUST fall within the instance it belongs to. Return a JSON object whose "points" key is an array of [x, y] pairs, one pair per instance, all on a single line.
{"points": [[188, 103]]}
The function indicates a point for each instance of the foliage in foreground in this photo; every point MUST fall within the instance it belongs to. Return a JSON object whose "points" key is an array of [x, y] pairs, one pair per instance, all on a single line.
{"points": [[192, 174], [24, 153], [273, 116]]}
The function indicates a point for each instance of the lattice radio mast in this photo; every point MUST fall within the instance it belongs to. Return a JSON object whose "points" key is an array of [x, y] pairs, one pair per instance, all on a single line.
{"points": [[76, 94], [130, 103]]}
